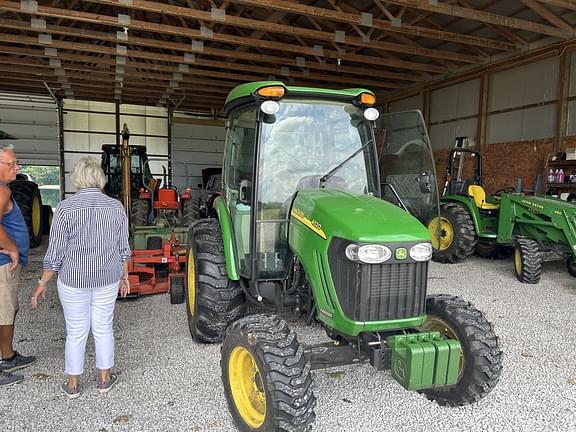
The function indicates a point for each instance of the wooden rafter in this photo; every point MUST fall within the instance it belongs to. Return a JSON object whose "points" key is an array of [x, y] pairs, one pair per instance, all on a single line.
{"points": [[389, 45]]}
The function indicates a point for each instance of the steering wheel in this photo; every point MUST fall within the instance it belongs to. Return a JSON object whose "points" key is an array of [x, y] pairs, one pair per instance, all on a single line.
{"points": [[508, 189]]}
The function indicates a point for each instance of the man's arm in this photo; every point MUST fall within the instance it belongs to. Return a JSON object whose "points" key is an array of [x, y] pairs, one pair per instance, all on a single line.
{"points": [[7, 245]]}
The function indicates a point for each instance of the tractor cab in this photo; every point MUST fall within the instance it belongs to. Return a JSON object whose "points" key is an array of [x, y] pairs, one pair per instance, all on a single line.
{"points": [[277, 149], [407, 169], [140, 174]]}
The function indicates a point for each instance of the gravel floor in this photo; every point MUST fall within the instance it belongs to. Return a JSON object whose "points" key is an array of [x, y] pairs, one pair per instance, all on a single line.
{"points": [[169, 383]]}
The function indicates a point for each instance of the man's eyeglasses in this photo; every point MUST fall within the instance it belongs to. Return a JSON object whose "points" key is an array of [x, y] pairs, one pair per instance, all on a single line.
{"points": [[12, 164]]}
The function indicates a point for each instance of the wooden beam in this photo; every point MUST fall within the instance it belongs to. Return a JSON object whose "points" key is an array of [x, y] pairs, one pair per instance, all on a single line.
{"points": [[486, 17], [562, 104], [339, 16], [566, 4], [251, 69], [235, 54], [233, 39], [547, 14]]}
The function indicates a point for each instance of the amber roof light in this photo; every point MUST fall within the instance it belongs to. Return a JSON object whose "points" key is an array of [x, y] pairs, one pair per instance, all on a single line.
{"points": [[367, 99], [271, 92]]}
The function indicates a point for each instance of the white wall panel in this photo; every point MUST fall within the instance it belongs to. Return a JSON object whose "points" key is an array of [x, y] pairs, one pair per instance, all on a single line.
{"points": [[532, 123], [443, 135], [93, 124], [195, 147], [33, 120], [524, 85], [408, 104], [459, 100]]}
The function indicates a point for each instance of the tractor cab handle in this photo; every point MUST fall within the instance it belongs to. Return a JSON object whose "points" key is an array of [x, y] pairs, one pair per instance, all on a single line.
{"points": [[424, 182], [245, 192]]}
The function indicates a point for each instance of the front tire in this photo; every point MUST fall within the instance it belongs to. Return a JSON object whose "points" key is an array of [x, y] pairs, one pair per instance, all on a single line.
{"points": [[177, 291], [212, 300], [266, 376], [453, 234], [480, 354], [527, 260]]}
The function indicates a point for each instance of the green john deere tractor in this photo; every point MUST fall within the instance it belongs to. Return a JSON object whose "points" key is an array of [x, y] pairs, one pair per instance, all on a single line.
{"points": [[302, 227], [535, 228]]}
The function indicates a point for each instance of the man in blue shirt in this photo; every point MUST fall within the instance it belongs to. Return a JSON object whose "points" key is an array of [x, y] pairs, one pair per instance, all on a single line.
{"points": [[14, 241]]}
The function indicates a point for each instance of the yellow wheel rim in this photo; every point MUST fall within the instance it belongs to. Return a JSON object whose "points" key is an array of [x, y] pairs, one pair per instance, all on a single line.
{"points": [[433, 323], [191, 282], [441, 232], [247, 387], [518, 261], [36, 216]]}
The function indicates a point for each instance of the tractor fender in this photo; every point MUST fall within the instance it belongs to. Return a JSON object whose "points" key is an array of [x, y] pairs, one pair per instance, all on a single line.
{"points": [[227, 239]]}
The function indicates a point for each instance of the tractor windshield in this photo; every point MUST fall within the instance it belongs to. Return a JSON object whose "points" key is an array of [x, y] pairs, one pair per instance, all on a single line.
{"points": [[406, 164], [309, 143], [307, 139]]}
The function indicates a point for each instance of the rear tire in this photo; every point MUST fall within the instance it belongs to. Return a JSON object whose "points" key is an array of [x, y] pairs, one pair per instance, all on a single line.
{"points": [[528, 260], [212, 300], [571, 266], [266, 376], [457, 234], [481, 357], [47, 215], [27, 196], [140, 210]]}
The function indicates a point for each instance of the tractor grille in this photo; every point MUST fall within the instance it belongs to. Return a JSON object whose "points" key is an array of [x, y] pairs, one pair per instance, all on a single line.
{"points": [[377, 292]]}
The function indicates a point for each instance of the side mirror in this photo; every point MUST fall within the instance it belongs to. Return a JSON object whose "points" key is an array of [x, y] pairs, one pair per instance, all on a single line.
{"points": [[424, 179], [245, 192]]}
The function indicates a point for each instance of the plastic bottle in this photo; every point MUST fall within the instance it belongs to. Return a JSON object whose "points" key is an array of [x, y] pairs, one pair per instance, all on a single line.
{"points": [[551, 176], [561, 176], [556, 172]]}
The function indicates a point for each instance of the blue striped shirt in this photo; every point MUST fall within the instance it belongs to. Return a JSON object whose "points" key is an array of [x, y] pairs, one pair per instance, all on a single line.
{"points": [[88, 240]]}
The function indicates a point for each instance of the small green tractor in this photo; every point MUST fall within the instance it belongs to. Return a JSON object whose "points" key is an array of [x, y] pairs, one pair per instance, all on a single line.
{"points": [[536, 228], [302, 228]]}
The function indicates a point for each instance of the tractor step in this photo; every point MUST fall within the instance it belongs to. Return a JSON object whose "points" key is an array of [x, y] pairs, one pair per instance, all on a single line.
{"points": [[424, 360]]}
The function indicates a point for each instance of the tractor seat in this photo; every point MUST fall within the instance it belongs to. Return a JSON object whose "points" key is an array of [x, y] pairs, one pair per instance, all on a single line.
{"points": [[477, 192]]}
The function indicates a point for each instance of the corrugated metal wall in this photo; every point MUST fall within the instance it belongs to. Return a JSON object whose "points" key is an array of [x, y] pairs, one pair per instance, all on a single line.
{"points": [[88, 125], [522, 102], [195, 147], [522, 105], [34, 121]]}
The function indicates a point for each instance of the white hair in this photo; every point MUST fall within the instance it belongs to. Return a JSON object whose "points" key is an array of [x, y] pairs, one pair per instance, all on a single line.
{"points": [[6, 146], [87, 173]]}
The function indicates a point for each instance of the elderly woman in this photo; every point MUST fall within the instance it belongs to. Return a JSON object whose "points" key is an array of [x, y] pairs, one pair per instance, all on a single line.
{"points": [[89, 250]]}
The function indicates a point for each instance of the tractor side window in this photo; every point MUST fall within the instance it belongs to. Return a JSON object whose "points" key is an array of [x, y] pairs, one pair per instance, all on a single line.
{"points": [[240, 142]]}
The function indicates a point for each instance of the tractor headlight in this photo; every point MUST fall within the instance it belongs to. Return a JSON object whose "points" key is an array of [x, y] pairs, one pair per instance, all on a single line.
{"points": [[369, 254], [421, 252]]}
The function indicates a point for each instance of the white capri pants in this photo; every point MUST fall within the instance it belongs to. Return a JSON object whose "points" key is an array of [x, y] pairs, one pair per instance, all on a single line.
{"points": [[88, 309]]}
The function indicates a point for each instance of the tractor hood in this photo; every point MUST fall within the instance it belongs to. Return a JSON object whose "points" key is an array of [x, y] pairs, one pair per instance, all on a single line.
{"points": [[361, 218]]}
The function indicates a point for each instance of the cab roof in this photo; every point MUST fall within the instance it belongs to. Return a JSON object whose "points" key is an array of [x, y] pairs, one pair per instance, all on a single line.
{"points": [[245, 92]]}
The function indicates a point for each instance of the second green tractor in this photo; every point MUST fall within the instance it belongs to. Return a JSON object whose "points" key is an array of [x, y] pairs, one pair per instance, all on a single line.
{"points": [[534, 228]]}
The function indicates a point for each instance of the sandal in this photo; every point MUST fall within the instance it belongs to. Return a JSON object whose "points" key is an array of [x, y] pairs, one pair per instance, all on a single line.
{"points": [[70, 392]]}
